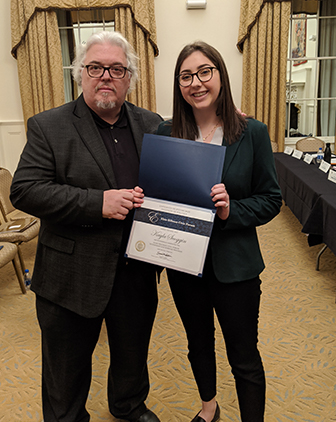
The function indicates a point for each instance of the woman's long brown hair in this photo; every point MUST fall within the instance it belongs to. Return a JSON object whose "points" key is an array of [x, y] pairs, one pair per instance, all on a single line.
{"points": [[184, 124]]}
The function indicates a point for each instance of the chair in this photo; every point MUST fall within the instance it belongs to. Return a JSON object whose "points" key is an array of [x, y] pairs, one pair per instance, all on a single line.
{"points": [[9, 252], [9, 215], [9, 212], [29, 230], [310, 144]]}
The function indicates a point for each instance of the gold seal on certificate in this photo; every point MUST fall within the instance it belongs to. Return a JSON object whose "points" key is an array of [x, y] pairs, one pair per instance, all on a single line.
{"points": [[140, 245]]}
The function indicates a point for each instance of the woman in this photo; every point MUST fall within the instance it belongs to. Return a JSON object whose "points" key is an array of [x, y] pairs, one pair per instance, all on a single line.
{"points": [[248, 196]]}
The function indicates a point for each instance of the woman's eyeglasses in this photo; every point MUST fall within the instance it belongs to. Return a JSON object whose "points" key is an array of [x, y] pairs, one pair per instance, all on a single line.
{"points": [[203, 75]]}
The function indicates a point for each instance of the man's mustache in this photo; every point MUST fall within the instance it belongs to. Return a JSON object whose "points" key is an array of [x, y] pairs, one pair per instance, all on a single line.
{"points": [[112, 88]]}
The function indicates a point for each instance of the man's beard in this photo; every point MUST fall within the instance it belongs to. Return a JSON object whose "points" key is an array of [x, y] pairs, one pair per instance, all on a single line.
{"points": [[105, 104]]}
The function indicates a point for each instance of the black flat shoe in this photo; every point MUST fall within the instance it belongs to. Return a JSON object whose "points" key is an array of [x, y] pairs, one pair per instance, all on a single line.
{"points": [[214, 419], [148, 416]]}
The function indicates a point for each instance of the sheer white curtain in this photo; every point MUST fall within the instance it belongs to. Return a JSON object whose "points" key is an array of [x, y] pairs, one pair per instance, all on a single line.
{"points": [[62, 21]]}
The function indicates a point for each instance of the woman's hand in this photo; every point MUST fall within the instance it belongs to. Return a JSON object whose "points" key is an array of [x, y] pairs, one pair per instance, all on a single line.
{"points": [[222, 200]]}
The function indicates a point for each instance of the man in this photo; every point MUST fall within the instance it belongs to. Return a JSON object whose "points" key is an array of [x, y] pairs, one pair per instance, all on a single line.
{"points": [[79, 173]]}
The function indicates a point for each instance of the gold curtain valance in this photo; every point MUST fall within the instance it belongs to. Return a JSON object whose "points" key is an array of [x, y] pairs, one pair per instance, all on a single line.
{"points": [[250, 10], [23, 11], [305, 6]]}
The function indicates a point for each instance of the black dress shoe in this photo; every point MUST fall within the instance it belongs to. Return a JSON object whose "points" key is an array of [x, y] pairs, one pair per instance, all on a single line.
{"points": [[148, 416], [214, 419]]}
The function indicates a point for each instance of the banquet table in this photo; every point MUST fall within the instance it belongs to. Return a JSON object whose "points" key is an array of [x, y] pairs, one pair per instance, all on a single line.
{"points": [[311, 197]]}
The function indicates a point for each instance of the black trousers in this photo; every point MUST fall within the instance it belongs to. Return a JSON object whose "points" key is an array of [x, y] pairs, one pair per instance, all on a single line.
{"points": [[68, 342], [237, 309]]}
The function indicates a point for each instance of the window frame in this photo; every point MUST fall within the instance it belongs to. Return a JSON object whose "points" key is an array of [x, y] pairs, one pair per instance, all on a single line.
{"points": [[71, 89], [289, 83]]}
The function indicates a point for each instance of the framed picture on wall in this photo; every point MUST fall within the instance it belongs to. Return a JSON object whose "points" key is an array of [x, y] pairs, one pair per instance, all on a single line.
{"points": [[299, 34]]}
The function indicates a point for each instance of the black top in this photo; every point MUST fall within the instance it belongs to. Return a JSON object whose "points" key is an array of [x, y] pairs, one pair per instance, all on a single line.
{"points": [[121, 148]]}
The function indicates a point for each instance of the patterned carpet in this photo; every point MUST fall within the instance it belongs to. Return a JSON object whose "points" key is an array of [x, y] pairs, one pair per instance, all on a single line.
{"points": [[297, 342]]}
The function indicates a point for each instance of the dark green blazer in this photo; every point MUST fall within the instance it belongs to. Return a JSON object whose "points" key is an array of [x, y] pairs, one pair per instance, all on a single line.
{"points": [[255, 198]]}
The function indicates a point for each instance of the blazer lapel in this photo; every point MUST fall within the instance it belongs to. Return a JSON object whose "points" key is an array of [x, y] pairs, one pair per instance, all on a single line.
{"points": [[90, 136], [230, 154]]}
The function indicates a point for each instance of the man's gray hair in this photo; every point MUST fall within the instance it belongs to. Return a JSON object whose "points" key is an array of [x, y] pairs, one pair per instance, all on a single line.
{"points": [[106, 37]]}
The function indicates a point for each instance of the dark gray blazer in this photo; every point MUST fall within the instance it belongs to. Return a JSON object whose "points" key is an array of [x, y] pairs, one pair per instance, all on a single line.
{"points": [[61, 176]]}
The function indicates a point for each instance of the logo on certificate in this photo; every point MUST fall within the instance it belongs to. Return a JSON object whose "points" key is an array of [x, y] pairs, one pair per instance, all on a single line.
{"points": [[154, 216], [140, 246]]}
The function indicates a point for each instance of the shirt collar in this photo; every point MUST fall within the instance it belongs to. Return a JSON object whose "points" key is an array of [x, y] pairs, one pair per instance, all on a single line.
{"points": [[121, 122]]}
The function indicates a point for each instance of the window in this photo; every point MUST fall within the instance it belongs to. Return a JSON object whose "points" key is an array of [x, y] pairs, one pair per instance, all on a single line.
{"points": [[311, 72], [75, 28]]}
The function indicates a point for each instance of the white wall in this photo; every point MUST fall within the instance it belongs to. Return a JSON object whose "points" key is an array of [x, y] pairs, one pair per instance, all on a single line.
{"points": [[176, 26]]}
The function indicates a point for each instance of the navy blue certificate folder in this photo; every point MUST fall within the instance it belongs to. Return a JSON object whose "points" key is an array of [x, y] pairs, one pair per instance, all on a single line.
{"points": [[180, 170]]}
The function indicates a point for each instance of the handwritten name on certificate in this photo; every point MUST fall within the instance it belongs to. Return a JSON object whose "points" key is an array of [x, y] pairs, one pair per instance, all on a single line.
{"points": [[171, 235]]}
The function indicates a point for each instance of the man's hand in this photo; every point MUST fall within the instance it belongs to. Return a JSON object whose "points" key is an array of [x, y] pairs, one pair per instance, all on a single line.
{"points": [[222, 200], [137, 197], [118, 203]]}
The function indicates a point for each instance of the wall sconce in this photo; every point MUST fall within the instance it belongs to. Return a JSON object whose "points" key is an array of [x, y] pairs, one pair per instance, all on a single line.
{"points": [[196, 4]]}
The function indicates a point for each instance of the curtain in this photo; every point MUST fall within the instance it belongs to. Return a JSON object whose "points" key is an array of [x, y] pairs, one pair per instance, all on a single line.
{"points": [[305, 6], [327, 79], [144, 94], [39, 63], [263, 40], [36, 46]]}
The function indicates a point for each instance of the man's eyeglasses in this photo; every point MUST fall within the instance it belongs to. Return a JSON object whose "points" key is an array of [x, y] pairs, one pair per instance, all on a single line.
{"points": [[203, 75], [115, 72]]}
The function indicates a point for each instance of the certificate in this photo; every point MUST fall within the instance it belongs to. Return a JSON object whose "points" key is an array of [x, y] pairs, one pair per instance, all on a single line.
{"points": [[171, 235], [172, 228]]}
